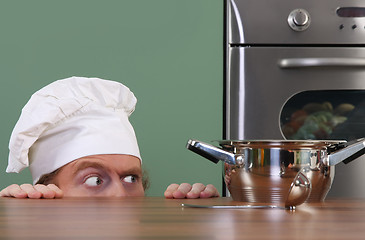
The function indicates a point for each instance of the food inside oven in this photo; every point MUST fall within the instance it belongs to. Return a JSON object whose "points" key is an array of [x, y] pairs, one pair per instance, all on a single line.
{"points": [[334, 114]]}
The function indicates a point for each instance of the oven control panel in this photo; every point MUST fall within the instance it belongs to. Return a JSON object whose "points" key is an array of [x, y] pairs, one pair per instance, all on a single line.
{"points": [[270, 22], [299, 19]]}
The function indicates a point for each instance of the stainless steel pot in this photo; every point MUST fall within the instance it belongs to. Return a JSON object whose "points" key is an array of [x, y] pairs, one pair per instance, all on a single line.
{"points": [[266, 171]]}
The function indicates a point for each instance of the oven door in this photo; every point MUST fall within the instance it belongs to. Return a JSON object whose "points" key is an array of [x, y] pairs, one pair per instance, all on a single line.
{"points": [[323, 89], [264, 86]]}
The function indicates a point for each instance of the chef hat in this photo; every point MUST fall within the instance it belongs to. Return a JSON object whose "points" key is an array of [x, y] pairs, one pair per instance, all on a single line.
{"points": [[69, 119]]}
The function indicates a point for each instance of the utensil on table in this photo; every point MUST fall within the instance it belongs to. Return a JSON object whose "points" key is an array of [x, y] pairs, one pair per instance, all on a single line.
{"points": [[232, 206]]}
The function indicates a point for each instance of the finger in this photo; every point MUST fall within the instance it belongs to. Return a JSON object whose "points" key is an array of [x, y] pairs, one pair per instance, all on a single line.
{"points": [[209, 191], [13, 190], [183, 189], [170, 190], [45, 191], [31, 191], [195, 191], [57, 190]]}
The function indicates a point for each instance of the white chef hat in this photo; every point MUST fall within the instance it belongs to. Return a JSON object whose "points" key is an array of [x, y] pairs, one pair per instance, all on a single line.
{"points": [[69, 119]]}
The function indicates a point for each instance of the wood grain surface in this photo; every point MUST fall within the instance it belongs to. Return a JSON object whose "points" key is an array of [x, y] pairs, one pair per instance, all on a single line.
{"points": [[159, 218]]}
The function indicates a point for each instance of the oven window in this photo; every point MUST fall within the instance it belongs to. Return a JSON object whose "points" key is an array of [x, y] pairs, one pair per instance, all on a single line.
{"points": [[324, 115]]}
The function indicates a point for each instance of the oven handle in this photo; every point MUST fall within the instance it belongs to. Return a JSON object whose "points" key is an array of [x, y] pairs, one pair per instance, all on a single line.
{"points": [[321, 62]]}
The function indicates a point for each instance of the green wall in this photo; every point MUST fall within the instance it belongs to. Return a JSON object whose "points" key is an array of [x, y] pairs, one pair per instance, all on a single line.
{"points": [[168, 52]]}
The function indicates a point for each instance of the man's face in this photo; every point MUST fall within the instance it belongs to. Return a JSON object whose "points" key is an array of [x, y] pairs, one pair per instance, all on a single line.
{"points": [[101, 175]]}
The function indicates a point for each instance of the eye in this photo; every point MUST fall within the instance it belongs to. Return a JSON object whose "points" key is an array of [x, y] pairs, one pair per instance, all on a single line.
{"points": [[130, 179], [93, 181]]}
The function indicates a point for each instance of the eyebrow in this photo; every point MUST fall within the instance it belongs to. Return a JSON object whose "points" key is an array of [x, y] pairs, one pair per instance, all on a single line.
{"points": [[87, 164], [92, 164]]}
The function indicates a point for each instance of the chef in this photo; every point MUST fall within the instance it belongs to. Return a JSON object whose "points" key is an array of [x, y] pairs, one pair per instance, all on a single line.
{"points": [[75, 136]]}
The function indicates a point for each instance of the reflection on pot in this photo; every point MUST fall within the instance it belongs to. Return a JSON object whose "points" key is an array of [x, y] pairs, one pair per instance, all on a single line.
{"points": [[268, 178], [246, 186]]}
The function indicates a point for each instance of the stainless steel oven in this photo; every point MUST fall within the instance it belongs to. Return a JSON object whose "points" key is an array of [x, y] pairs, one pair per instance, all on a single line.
{"points": [[296, 70]]}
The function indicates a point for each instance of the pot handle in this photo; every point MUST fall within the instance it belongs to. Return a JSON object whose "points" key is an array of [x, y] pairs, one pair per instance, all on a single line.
{"points": [[211, 152], [349, 151]]}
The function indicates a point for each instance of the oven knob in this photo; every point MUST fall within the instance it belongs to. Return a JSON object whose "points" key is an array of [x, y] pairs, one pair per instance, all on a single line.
{"points": [[299, 20]]}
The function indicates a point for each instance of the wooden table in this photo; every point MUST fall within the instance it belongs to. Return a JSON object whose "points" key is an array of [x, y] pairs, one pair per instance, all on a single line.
{"points": [[159, 218]]}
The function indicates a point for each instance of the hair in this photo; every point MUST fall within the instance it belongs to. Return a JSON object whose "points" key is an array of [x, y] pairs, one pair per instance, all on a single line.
{"points": [[49, 178]]}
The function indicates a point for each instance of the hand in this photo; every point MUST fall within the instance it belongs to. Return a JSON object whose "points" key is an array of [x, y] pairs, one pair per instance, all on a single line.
{"points": [[30, 191], [185, 190]]}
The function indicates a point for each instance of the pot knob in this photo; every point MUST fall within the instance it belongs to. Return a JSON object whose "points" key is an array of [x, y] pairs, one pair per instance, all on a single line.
{"points": [[299, 20]]}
